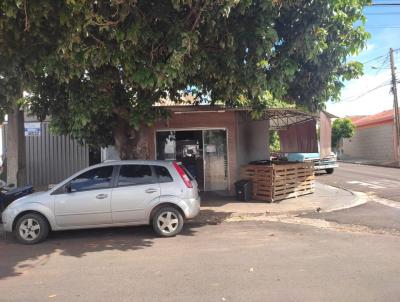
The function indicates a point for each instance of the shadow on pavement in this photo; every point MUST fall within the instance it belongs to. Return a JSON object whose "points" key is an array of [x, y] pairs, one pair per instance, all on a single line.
{"points": [[321, 174], [16, 258]]}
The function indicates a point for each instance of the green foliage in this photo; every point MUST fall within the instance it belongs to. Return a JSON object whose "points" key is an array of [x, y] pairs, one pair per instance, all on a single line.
{"points": [[29, 33], [342, 128], [274, 142], [94, 65]]}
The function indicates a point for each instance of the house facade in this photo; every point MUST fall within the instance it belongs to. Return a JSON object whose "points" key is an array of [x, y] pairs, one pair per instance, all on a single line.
{"points": [[211, 143], [374, 138], [214, 142]]}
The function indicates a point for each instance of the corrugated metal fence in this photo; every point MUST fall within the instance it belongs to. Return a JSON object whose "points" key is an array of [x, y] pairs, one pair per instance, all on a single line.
{"points": [[52, 158]]}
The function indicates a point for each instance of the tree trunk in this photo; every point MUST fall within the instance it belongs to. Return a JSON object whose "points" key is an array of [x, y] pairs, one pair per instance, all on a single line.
{"points": [[16, 152], [130, 143]]}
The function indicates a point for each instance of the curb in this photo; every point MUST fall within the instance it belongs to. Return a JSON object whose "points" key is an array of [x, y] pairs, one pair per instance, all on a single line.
{"points": [[368, 164], [359, 199], [362, 198]]}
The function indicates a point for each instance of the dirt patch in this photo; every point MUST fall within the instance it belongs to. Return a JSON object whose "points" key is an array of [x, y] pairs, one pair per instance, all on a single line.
{"points": [[318, 223]]}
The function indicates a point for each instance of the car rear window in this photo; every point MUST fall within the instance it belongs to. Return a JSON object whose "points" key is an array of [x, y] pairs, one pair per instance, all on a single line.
{"points": [[163, 174], [135, 175]]}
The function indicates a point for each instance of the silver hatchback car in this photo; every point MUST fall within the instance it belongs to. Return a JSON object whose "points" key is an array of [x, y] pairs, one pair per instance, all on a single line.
{"points": [[116, 193]]}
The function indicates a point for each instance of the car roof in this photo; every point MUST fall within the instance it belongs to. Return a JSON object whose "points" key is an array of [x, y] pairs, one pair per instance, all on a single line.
{"points": [[131, 162]]}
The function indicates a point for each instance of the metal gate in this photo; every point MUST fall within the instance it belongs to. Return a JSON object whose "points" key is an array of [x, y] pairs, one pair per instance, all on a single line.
{"points": [[51, 158]]}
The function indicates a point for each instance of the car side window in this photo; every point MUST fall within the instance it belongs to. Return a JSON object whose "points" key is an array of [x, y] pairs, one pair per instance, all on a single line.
{"points": [[135, 175], [163, 174], [98, 178]]}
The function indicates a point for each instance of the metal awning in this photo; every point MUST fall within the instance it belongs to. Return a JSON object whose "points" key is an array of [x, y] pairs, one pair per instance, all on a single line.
{"points": [[281, 119]]}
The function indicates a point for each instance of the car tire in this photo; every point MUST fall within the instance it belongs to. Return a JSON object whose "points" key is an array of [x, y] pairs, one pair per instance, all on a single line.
{"points": [[167, 222], [31, 228], [329, 171]]}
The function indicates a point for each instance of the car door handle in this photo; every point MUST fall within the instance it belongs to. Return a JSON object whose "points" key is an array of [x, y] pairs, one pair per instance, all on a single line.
{"points": [[101, 196], [151, 190]]}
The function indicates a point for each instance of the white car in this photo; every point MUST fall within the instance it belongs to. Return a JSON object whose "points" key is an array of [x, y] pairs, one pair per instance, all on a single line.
{"points": [[117, 193]]}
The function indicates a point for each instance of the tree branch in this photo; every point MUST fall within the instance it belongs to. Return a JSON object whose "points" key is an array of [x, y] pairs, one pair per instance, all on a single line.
{"points": [[27, 25]]}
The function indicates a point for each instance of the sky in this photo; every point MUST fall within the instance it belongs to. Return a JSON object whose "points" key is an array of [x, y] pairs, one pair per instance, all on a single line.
{"points": [[362, 96]]}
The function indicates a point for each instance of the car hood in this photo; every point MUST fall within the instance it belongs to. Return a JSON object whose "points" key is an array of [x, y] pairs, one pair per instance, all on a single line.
{"points": [[34, 197]]}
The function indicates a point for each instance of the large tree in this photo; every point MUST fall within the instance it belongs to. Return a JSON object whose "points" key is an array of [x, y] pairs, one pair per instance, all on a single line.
{"points": [[28, 36], [115, 59]]}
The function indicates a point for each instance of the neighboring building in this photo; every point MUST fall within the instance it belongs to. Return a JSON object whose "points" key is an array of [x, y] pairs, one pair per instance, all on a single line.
{"points": [[355, 118], [374, 138]]}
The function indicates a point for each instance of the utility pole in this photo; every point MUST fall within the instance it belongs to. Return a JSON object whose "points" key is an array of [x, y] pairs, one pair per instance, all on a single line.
{"points": [[396, 107]]}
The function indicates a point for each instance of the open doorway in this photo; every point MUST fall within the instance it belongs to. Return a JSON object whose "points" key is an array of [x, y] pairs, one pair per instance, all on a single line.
{"points": [[202, 152], [185, 147]]}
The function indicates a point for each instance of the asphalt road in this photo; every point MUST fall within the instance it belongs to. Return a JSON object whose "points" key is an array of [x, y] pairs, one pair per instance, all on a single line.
{"points": [[375, 216], [242, 261], [383, 182]]}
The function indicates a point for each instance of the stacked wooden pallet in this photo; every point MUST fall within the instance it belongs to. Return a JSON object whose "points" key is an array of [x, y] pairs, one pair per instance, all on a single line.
{"points": [[280, 180]]}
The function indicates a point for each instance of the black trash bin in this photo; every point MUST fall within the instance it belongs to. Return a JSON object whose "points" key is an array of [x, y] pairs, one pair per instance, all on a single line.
{"points": [[243, 190]]}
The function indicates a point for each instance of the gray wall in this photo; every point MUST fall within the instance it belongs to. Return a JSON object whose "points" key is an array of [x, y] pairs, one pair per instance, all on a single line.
{"points": [[252, 139], [109, 153], [52, 158], [373, 143]]}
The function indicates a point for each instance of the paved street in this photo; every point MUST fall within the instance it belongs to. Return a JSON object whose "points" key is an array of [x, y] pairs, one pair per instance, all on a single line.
{"points": [[380, 181], [372, 215], [242, 261]]}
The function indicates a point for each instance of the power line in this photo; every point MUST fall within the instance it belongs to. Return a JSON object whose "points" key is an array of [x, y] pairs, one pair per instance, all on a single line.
{"points": [[375, 59], [383, 65], [383, 14], [385, 4], [383, 26], [379, 57], [355, 98]]}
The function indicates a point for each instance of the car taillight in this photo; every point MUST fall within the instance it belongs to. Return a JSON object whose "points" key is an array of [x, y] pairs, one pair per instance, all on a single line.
{"points": [[183, 175]]}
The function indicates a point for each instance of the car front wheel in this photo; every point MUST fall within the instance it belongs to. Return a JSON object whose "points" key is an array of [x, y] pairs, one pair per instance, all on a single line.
{"points": [[31, 228], [167, 222], [329, 170]]}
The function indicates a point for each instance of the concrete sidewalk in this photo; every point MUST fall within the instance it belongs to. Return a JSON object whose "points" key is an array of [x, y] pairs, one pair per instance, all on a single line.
{"points": [[325, 199]]}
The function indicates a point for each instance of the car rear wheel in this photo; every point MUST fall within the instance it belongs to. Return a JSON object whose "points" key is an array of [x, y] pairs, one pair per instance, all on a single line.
{"points": [[167, 222], [31, 228]]}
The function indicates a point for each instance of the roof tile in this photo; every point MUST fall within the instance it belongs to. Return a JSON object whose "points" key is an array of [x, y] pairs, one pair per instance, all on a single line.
{"points": [[381, 117]]}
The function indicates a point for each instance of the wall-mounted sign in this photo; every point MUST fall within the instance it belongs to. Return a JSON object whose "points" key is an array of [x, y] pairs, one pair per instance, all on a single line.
{"points": [[211, 148], [32, 129]]}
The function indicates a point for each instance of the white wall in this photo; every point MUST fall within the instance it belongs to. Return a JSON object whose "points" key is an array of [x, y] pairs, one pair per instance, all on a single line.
{"points": [[373, 143], [252, 139]]}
